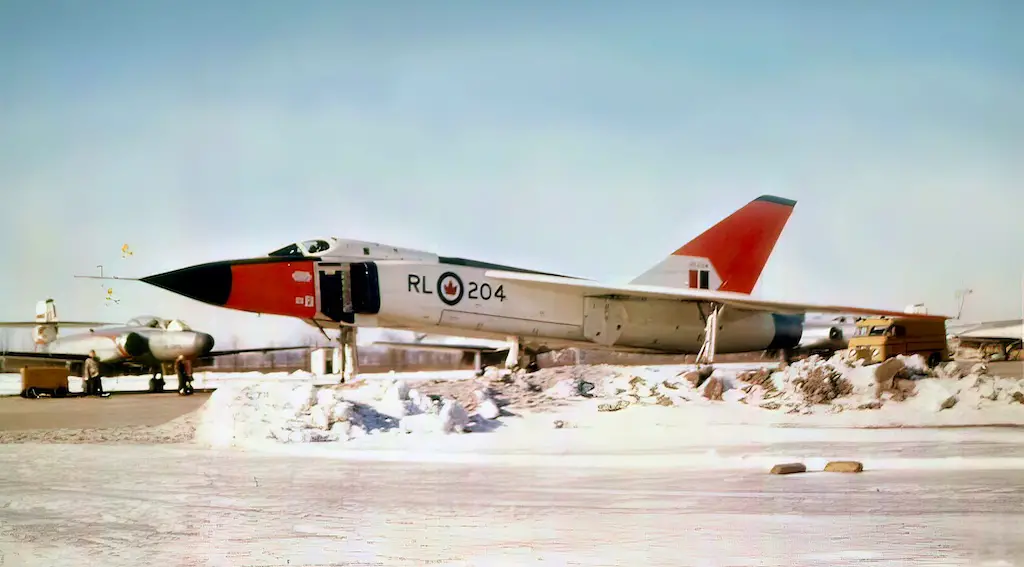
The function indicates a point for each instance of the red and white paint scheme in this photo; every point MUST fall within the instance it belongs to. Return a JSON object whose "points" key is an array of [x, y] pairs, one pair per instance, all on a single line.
{"points": [[696, 301], [729, 256]]}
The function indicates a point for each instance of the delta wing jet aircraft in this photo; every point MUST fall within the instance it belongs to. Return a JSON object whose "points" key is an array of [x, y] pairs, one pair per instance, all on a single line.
{"points": [[1007, 336], [143, 343], [697, 300]]}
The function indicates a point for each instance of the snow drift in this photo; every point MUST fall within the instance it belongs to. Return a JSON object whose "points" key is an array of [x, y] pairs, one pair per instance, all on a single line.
{"points": [[901, 391], [277, 412], [808, 386]]}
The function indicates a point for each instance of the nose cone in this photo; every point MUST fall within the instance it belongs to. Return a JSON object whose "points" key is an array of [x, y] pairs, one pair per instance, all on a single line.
{"points": [[209, 283], [203, 343], [260, 285]]}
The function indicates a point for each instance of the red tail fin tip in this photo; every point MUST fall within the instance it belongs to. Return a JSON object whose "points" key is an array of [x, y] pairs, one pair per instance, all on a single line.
{"points": [[730, 255]]}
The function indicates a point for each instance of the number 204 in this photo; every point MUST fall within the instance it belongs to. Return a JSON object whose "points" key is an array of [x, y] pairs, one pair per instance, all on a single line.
{"points": [[485, 292]]}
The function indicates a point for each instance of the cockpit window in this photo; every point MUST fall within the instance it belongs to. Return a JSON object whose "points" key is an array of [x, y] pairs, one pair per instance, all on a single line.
{"points": [[178, 325], [290, 250], [316, 246], [146, 321]]}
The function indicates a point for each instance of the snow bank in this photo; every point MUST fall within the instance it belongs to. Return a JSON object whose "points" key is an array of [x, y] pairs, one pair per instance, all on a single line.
{"points": [[901, 391], [280, 412], [810, 386]]}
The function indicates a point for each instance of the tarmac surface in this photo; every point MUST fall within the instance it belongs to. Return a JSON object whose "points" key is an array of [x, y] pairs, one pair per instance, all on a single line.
{"points": [[119, 410]]}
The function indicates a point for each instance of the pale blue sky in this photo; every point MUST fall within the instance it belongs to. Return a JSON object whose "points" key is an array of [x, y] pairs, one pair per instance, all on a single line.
{"points": [[588, 138]]}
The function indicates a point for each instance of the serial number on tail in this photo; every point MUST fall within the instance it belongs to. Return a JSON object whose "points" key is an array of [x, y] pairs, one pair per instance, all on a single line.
{"points": [[450, 289]]}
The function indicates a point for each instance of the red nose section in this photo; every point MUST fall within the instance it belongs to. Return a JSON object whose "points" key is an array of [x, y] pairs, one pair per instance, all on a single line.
{"points": [[264, 286]]}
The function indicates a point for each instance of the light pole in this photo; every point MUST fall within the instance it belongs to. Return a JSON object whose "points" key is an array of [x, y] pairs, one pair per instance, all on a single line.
{"points": [[961, 297]]}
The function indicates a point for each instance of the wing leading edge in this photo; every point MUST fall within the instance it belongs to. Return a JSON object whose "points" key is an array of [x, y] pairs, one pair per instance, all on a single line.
{"points": [[56, 356], [216, 353], [741, 301], [57, 323], [440, 347]]}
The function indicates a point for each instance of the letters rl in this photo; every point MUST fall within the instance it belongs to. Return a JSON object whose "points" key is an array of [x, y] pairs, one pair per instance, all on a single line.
{"points": [[415, 283]]}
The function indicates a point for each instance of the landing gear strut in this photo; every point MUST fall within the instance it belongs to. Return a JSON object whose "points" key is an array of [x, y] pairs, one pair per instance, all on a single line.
{"points": [[520, 357], [706, 355], [156, 385], [349, 353]]}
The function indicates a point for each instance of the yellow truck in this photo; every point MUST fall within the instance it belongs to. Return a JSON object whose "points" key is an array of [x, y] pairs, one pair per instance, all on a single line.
{"points": [[878, 338], [44, 380]]}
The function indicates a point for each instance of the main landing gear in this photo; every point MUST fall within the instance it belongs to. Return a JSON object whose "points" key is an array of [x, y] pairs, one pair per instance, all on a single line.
{"points": [[520, 357], [706, 355], [156, 385]]}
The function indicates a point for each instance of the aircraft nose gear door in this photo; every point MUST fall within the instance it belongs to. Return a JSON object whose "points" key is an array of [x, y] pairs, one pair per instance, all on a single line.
{"points": [[348, 289], [332, 302]]}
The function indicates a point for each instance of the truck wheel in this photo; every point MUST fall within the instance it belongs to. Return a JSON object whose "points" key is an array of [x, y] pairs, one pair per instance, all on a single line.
{"points": [[32, 393], [60, 392], [934, 359]]}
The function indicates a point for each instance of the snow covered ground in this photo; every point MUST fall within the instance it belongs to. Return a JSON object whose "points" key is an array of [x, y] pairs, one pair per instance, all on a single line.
{"points": [[590, 465], [175, 505]]}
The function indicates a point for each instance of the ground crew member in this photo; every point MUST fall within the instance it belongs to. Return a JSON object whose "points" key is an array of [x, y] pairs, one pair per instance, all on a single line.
{"points": [[181, 367], [93, 379]]}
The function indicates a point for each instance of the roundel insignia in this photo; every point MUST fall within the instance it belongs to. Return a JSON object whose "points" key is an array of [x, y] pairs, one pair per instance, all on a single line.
{"points": [[449, 288]]}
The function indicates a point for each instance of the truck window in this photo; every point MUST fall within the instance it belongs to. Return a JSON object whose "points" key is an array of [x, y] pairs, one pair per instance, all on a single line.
{"points": [[877, 331]]}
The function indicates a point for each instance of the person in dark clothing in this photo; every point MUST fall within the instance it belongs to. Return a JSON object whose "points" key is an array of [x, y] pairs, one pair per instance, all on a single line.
{"points": [[181, 368], [93, 383]]}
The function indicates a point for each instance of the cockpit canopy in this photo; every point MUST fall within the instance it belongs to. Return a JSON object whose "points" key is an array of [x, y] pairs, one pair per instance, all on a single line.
{"points": [[348, 248], [152, 322], [147, 321], [177, 325], [307, 248]]}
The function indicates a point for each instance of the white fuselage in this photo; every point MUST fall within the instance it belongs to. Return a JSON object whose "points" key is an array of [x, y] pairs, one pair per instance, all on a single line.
{"points": [[460, 300]]}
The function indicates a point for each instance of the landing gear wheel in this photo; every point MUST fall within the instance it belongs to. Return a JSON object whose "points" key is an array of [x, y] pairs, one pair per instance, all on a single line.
{"points": [[156, 385]]}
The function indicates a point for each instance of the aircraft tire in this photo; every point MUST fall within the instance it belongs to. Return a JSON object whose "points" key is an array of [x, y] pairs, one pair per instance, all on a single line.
{"points": [[156, 386]]}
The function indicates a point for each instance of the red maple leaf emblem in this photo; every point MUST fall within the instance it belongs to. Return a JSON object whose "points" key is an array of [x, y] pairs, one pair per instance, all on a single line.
{"points": [[449, 288]]}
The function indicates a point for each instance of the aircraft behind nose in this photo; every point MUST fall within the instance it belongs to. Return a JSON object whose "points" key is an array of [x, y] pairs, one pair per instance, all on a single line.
{"points": [[191, 344]]}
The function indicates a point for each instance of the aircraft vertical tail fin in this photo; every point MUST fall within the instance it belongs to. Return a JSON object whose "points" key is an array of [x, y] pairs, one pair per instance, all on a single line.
{"points": [[45, 330], [730, 255]]}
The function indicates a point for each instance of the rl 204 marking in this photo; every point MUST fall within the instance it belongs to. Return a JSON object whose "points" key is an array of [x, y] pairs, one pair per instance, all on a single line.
{"points": [[450, 288]]}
